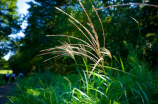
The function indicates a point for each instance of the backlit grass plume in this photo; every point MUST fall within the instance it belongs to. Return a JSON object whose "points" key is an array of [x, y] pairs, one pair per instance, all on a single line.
{"points": [[87, 49]]}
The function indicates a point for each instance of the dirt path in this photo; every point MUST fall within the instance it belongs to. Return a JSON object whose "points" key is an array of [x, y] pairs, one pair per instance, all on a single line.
{"points": [[4, 90]]}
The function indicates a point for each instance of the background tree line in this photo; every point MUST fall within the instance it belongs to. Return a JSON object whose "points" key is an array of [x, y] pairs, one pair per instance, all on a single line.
{"points": [[9, 24], [123, 25]]}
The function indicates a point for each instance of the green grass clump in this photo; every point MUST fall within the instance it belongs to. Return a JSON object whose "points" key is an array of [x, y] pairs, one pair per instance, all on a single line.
{"points": [[121, 88]]}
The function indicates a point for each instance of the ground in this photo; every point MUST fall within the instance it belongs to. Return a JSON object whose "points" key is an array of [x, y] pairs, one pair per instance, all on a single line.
{"points": [[4, 90]]}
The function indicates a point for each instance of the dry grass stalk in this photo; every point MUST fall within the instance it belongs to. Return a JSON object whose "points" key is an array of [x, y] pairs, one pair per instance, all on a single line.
{"points": [[92, 38], [100, 24], [92, 27], [140, 4], [81, 32], [95, 67], [86, 49]]}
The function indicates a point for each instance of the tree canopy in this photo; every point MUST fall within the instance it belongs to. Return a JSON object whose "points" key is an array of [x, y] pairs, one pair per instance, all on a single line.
{"points": [[9, 24]]}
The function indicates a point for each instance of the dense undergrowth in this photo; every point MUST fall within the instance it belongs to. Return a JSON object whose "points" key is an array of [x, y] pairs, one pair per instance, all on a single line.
{"points": [[117, 86]]}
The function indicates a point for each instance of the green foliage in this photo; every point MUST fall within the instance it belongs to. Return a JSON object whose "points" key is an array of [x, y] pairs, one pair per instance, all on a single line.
{"points": [[9, 24], [3, 64], [42, 20], [120, 29], [124, 87]]}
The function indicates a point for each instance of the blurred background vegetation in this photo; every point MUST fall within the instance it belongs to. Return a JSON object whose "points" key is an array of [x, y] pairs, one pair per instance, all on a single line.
{"points": [[43, 19]]}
